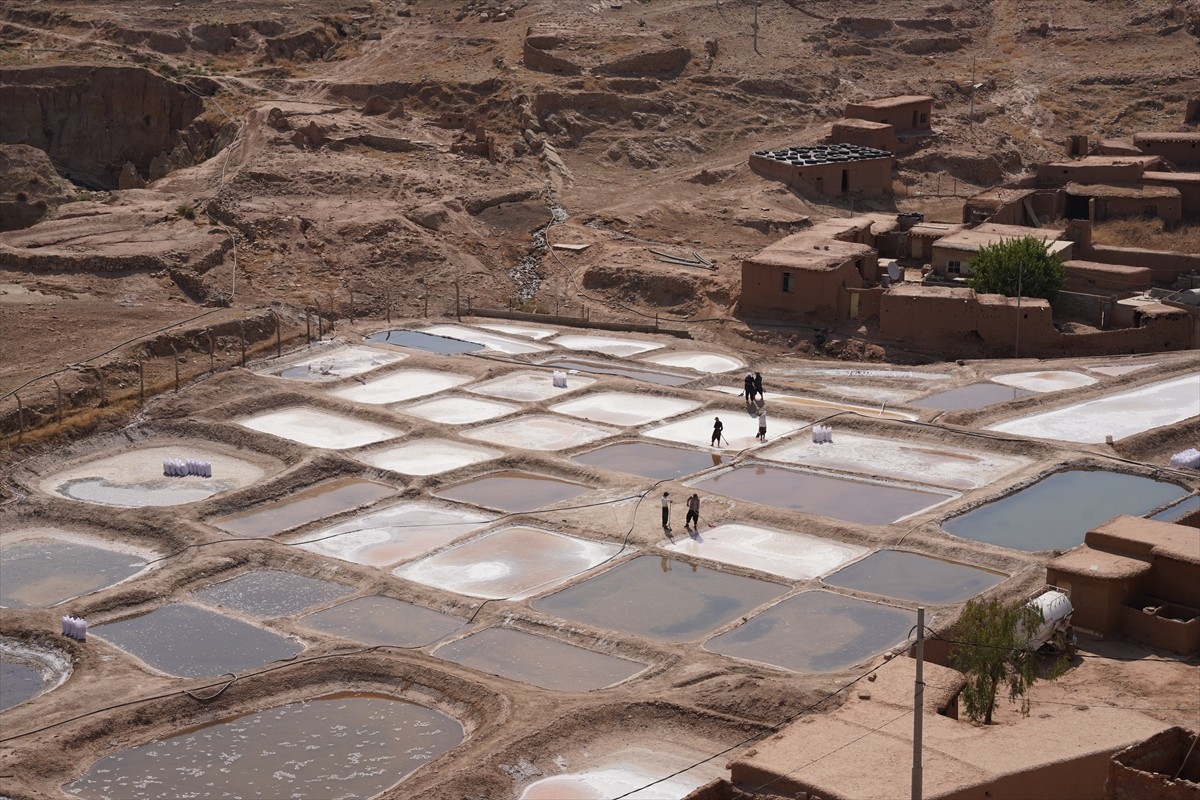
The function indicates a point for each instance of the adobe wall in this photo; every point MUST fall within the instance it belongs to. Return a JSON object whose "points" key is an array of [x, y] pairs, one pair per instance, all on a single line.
{"points": [[883, 138], [1188, 185], [1084, 277], [869, 177], [902, 117], [1178, 636], [1165, 266], [1174, 580], [1184, 154], [1168, 209], [1061, 173], [815, 292], [1144, 771], [867, 304], [1097, 601], [1085, 776]]}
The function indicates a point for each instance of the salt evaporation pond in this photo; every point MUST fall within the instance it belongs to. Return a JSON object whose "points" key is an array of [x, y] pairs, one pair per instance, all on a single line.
{"points": [[40, 569], [1116, 415], [455, 410], [619, 369], [271, 593], [27, 671], [624, 408], [972, 396], [317, 428], [664, 775], [428, 342], [661, 598], [608, 345], [902, 575], [1116, 370], [823, 495], [528, 331], [739, 433], [509, 563], [192, 642], [823, 406], [936, 464], [541, 432], [788, 554], [491, 341], [301, 508], [384, 621], [134, 479], [649, 460], [339, 362], [816, 632], [404, 384], [514, 491], [528, 387], [538, 660], [701, 362], [1178, 511], [1057, 512], [427, 456], [342, 746], [403, 531], [19, 682], [1047, 381]]}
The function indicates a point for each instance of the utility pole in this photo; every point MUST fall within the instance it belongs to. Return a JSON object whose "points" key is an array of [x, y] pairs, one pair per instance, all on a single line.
{"points": [[754, 28], [918, 704]]}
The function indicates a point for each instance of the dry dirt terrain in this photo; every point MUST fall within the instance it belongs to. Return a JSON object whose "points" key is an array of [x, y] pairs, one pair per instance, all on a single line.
{"points": [[262, 171]]}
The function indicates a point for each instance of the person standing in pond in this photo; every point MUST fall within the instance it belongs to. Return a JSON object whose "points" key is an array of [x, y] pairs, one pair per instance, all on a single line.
{"points": [[748, 387], [758, 386], [762, 424], [692, 522], [717, 428], [666, 512]]}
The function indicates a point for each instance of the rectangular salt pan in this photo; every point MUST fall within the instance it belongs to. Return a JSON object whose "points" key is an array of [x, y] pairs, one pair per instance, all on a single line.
{"points": [[624, 408], [738, 434], [540, 432], [272, 593], [797, 556], [457, 410], [607, 345], [395, 534], [339, 362], [317, 428], [404, 384], [384, 620], [902, 575], [44, 571], [427, 456], [489, 340], [300, 508], [529, 387]]}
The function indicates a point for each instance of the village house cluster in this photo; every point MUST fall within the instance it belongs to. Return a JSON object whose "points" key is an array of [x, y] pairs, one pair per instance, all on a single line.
{"points": [[909, 276]]}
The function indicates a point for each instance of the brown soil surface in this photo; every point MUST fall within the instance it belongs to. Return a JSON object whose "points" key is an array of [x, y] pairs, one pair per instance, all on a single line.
{"points": [[377, 159]]}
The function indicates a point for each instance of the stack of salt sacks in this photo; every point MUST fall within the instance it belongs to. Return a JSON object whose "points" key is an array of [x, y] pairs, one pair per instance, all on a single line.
{"points": [[180, 467], [74, 627], [1188, 458]]}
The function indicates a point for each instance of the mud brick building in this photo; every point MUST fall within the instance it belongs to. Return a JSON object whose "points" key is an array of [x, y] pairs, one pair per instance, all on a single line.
{"points": [[828, 169]]}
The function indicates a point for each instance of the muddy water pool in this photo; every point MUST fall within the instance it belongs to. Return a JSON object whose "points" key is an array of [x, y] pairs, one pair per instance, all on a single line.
{"points": [[342, 746], [902, 575], [649, 460], [304, 507], [19, 681], [43, 571], [1056, 512], [538, 660], [823, 495], [271, 593], [379, 620], [816, 632], [514, 491], [661, 598], [428, 342], [193, 642], [972, 396]]}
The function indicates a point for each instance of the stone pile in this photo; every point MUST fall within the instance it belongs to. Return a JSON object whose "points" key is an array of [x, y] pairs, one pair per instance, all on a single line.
{"points": [[490, 10]]}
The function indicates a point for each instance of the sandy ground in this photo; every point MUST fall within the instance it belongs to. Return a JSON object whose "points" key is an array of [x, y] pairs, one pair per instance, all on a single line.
{"points": [[518, 734]]}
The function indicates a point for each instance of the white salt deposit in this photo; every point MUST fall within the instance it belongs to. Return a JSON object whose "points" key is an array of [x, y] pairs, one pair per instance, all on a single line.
{"points": [[489, 340], [623, 774], [331, 363], [1116, 370], [404, 384], [935, 464], [395, 534], [427, 456], [1118, 415], [528, 331], [456, 410], [823, 407], [540, 432], [1050, 381], [791, 555], [701, 362], [624, 408], [739, 433], [606, 344], [508, 563], [529, 387], [317, 428]]}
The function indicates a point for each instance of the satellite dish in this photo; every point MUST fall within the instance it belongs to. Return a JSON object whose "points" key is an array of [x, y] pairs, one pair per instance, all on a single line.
{"points": [[894, 271]]}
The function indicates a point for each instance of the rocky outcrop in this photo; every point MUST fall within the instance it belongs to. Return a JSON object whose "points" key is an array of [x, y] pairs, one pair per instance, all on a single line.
{"points": [[30, 188], [568, 51], [91, 121]]}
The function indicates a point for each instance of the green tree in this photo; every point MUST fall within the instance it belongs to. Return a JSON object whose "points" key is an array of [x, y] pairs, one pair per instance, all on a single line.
{"points": [[992, 651], [999, 268]]}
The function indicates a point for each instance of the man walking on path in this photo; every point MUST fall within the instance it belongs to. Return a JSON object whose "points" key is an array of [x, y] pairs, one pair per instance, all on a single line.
{"points": [[692, 522], [762, 424], [717, 428], [666, 512], [758, 386], [748, 387]]}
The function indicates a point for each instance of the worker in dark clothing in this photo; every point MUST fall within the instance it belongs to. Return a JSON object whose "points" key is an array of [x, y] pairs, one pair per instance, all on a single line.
{"points": [[717, 428], [666, 512], [748, 387], [758, 386], [692, 523]]}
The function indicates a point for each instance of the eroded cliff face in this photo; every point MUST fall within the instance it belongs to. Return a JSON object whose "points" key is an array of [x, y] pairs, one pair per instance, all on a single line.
{"points": [[91, 121]]}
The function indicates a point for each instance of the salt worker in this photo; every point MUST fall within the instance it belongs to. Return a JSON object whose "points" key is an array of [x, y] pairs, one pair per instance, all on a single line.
{"points": [[717, 428]]}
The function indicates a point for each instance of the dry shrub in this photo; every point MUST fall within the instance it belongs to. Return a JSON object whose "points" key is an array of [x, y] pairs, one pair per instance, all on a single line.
{"points": [[1147, 233]]}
